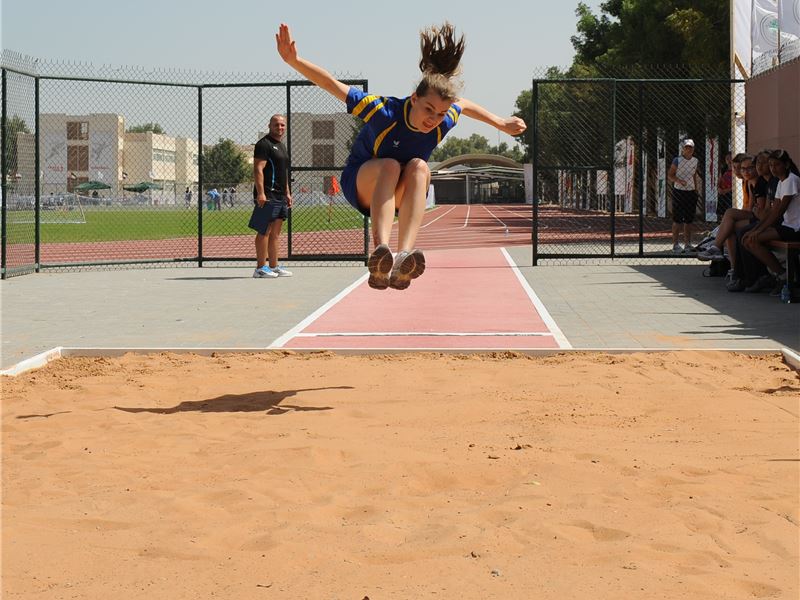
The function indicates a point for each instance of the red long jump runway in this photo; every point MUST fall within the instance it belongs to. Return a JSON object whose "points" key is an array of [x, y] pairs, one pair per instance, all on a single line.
{"points": [[466, 299]]}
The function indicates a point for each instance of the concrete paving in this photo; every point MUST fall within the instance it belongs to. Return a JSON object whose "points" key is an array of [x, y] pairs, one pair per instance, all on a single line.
{"points": [[607, 306], [658, 306]]}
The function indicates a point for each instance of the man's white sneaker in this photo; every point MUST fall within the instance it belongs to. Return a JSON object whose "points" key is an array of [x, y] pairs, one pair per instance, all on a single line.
{"points": [[281, 271], [264, 272]]}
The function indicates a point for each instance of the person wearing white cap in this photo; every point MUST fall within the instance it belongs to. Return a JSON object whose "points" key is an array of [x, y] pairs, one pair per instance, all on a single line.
{"points": [[685, 186]]}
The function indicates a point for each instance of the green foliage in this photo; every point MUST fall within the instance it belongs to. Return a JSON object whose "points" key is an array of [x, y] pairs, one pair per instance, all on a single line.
{"points": [[14, 126], [144, 128], [224, 165], [652, 32], [633, 39], [474, 144]]}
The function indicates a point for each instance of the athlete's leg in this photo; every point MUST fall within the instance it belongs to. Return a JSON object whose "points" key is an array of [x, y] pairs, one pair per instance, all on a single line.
{"points": [[273, 233], [411, 192], [261, 250], [376, 182]]}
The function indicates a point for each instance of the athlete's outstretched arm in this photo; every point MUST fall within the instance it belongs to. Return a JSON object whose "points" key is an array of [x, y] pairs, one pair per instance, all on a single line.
{"points": [[511, 125], [315, 74]]}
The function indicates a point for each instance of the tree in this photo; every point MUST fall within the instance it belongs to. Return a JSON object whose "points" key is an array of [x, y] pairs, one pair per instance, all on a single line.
{"points": [[474, 144], [14, 126], [144, 128], [653, 32], [630, 39], [224, 164]]}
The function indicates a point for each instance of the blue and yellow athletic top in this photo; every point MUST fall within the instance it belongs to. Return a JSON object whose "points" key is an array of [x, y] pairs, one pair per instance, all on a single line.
{"points": [[388, 133]]}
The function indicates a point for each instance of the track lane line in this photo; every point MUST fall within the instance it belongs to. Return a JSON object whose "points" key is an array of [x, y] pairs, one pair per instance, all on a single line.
{"points": [[294, 331], [551, 324]]}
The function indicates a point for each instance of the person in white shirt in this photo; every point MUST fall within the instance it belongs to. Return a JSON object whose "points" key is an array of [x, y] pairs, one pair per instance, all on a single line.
{"points": [[686, 184], [782, 222]]}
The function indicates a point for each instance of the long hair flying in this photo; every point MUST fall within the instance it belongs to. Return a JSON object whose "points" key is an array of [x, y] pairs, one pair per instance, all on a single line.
{"points": [[441, 61]]}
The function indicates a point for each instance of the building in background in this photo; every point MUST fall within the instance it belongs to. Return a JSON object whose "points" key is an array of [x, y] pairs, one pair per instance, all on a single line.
{"points": [[75, 149]]}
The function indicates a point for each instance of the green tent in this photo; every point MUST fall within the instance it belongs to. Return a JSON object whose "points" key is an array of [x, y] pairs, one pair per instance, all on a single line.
{"points": [[142, 187], [91, 185]]}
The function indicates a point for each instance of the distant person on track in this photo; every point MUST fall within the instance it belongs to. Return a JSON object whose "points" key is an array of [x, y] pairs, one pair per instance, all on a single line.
{"points": [[686, 184], [387, 169], [271, 197]]}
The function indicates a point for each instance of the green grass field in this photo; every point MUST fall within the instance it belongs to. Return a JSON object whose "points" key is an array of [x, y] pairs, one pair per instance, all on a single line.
{"points": [[158, 223]]}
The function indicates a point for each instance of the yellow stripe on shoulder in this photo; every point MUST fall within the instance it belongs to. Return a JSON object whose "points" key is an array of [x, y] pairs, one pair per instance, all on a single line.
{"points": [[382, 135], [363, 104], [453, 114], [373, 111]]}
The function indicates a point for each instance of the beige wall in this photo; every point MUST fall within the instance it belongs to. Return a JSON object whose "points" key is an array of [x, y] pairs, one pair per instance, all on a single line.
{"points": [[773, 110]]}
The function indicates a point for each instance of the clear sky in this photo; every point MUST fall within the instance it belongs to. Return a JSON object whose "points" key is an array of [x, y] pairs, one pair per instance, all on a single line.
{"points": [[507, 41]]}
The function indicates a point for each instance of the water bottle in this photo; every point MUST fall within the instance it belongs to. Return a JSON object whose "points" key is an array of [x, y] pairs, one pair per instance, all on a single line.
{"points": [[786, 294]]}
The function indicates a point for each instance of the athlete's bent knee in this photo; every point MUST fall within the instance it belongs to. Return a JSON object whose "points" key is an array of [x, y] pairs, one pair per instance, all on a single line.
{"points": [[390, 166], [416, 167]]}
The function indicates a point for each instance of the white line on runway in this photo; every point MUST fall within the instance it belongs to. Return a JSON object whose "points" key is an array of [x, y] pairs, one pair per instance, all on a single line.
{"points": [[429, 334], [495, 217], [437, 218], [558, 335], [294, 331]]}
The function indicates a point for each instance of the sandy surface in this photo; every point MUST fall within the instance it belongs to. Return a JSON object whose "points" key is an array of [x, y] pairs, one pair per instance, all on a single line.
{"points": [[412, 476]]}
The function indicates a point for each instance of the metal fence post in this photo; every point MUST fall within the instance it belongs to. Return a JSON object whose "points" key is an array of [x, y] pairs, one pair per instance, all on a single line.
{"points": [[200, 176], [3, 172], [37, 207], [289, 167], [641, 171], [535, 177], [613, 183]]}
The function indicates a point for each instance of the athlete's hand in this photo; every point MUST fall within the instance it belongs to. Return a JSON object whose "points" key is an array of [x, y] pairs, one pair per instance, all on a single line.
{"points": [[513, 126], [261, 200], [286, 45], [288, 201]]}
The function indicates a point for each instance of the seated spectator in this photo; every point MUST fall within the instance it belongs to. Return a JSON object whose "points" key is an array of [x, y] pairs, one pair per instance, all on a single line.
{"points": [[782, 222], [735, 219]]}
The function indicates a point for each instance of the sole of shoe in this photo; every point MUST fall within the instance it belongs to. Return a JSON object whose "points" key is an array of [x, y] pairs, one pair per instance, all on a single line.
{"points": [[411, 267], [379, 266]]}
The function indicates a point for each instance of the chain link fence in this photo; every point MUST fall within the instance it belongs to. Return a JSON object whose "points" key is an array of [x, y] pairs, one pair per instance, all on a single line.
{"points": [[113, 166], [601, 150]]}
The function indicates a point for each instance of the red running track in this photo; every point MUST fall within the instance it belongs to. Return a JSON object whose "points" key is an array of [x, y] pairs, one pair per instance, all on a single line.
{"points": [[446, 226], [466, 299]]}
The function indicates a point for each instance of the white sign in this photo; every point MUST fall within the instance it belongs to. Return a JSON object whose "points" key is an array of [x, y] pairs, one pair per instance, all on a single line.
{"points": [[102, 155], [527, 171], [54, 158], [629, 174], [764, 26], [789, 17], [661, 176], [712, 178], [602, 183]]}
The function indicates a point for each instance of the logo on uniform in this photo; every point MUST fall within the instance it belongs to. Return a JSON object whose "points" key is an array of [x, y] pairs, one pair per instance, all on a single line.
{"points": [[396, 144]]}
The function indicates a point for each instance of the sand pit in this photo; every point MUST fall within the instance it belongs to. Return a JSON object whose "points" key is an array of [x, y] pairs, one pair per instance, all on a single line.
{"points": [[669, 475]]}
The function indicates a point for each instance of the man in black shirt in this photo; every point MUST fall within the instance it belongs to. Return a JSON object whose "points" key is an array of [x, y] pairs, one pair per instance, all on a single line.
{"points": [[271, 197]]}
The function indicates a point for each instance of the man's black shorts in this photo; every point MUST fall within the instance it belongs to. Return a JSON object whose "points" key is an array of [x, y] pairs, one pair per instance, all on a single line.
{"points": [[274, 208]]}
